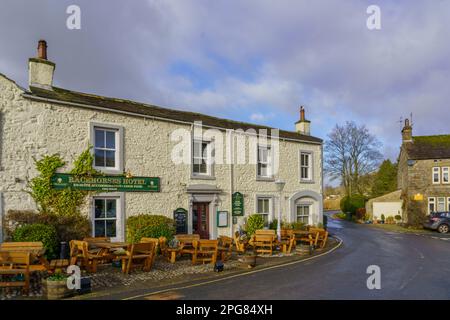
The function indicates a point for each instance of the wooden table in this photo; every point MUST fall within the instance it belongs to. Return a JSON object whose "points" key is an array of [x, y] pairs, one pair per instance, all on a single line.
{"points": [[105, 247], [173, 252]]}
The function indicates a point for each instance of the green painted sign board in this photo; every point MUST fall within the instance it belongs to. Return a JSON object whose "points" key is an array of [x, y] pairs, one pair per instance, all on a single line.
{"points": [[237, 204], [105, 183]]}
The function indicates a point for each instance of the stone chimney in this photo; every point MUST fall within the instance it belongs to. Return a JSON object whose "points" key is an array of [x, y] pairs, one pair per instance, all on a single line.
{"points": [[407, 132], [303, 126], [40, 70]]}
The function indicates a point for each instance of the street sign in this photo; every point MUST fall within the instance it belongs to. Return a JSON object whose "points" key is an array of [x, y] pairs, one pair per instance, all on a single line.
{"points": [[118, 183]]}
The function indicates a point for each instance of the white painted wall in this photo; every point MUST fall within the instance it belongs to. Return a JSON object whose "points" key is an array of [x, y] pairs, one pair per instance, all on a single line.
{"points": [[387, 208]]}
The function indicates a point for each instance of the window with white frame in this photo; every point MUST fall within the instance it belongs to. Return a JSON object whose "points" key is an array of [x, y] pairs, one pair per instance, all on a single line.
{"points": [[440, 204], [105, 217], [264, 162], [431, 205], [303, 212], [264, 207], [305, 166], [436, 175], [202, 158], [106, 148], [445, 175]]}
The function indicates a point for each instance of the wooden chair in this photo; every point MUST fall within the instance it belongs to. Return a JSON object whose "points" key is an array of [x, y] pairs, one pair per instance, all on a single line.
{"points": [[263, 243], [287, 240], [79, 253], [15, 263], [142, 252], [321, 237], [205, 251], [38, 262], [186, 243], [225, 247], [241, 246], [156, 242]]}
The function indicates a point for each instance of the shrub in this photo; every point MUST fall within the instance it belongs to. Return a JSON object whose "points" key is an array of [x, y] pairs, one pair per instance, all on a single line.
{"points": [[67, 228], [390, 220], [351, 204], [360, 213], [383, 218], [274, 224], [298, 226], [254, 222], [148, 225], [38, 232], [398, 217]]}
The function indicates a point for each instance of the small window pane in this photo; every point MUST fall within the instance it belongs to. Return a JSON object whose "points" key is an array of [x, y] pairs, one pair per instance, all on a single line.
{"points": [[110, 140], [99, 138], [100, 228], [99, 208], [111, 208], [99, 158], [111, 228], [110, 158]]}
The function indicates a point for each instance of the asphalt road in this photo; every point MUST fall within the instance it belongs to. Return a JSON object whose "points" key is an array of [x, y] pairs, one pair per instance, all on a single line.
{"points": [[412, 267]]}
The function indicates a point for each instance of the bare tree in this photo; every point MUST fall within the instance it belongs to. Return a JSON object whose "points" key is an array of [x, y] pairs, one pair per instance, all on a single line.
{"points": [[351, 153]]}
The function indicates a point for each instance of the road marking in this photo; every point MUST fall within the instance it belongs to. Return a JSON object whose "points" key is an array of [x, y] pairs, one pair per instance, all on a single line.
{"points": [[236, 275]]}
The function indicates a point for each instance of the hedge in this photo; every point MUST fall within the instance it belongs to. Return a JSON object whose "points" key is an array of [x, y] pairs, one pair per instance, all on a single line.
{"points": [[148, 225], [38, 232]]}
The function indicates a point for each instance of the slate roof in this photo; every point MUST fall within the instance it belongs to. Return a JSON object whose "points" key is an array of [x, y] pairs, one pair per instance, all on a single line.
{"points": [[429, 147], [114, 104]]}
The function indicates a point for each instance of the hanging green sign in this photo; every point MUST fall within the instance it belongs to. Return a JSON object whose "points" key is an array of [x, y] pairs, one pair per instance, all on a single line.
{"points": [[105, 183], [237, 204]]}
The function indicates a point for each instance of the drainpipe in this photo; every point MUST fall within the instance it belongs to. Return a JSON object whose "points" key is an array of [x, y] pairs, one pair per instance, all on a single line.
{"points": [[2, 221], [231, 159]]}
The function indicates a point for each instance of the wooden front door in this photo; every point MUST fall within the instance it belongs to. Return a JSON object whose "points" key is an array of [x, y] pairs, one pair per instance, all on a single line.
{"points": [[200, 219]]}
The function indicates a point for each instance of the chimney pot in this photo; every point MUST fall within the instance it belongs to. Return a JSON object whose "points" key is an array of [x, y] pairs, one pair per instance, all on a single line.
{"points": [[302, 113], [42, 50]]}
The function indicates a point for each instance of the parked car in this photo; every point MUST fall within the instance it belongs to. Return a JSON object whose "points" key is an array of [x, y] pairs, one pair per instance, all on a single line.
{"points": [[439, 221]]}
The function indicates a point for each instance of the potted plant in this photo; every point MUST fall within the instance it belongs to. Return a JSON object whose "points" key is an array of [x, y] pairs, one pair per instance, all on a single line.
{"points": [[382, 219], [398, 218], [56, 287], [249, 259]]}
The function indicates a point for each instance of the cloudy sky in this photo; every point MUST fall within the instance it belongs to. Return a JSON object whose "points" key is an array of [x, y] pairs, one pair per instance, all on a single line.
{"points": [[254, 61]]}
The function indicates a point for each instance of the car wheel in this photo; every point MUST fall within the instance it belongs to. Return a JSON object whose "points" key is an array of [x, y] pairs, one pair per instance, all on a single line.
{"points": [[443, 228]]}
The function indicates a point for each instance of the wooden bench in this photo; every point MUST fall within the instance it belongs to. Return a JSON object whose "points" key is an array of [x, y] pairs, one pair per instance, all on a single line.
{"points": [[38, 262], [79, 252], [321, 237], [205, 251], [225, 247], [263, 243], [287, 240], [241, 246], [186, 242], [142, 252], [156, 242], [15, 263]]}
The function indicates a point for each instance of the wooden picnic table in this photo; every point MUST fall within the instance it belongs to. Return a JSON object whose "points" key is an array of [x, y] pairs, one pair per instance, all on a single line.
{"points": [[173, 253], [105, 248]]}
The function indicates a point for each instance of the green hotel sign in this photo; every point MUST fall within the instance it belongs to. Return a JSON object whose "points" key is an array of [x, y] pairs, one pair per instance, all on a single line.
{"points": [[105, 183], [237, 204]]}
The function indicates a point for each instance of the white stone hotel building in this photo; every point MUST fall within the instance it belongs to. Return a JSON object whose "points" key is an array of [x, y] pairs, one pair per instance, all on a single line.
{"points": [[144, 141]]}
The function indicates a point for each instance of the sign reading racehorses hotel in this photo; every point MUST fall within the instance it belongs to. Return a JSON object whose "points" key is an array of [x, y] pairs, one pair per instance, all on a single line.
{"points": [[105, 183]]}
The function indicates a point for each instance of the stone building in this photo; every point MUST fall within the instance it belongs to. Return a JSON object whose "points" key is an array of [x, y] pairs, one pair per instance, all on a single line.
{"points": [[140, 140], [423, 174]]}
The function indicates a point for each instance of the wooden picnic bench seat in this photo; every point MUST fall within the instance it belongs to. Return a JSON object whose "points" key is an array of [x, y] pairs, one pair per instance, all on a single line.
{"points": [[38, 262], [15, 263], [225, 247], [186, 242], [241, 246], [156, 241], [263, 243], [321, 236], [287, 240], [79, 252], [142, 252], [205, 251]]}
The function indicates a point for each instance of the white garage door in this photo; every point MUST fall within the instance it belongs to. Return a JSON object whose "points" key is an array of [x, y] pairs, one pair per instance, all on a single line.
{"points": [[387, 208]]}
